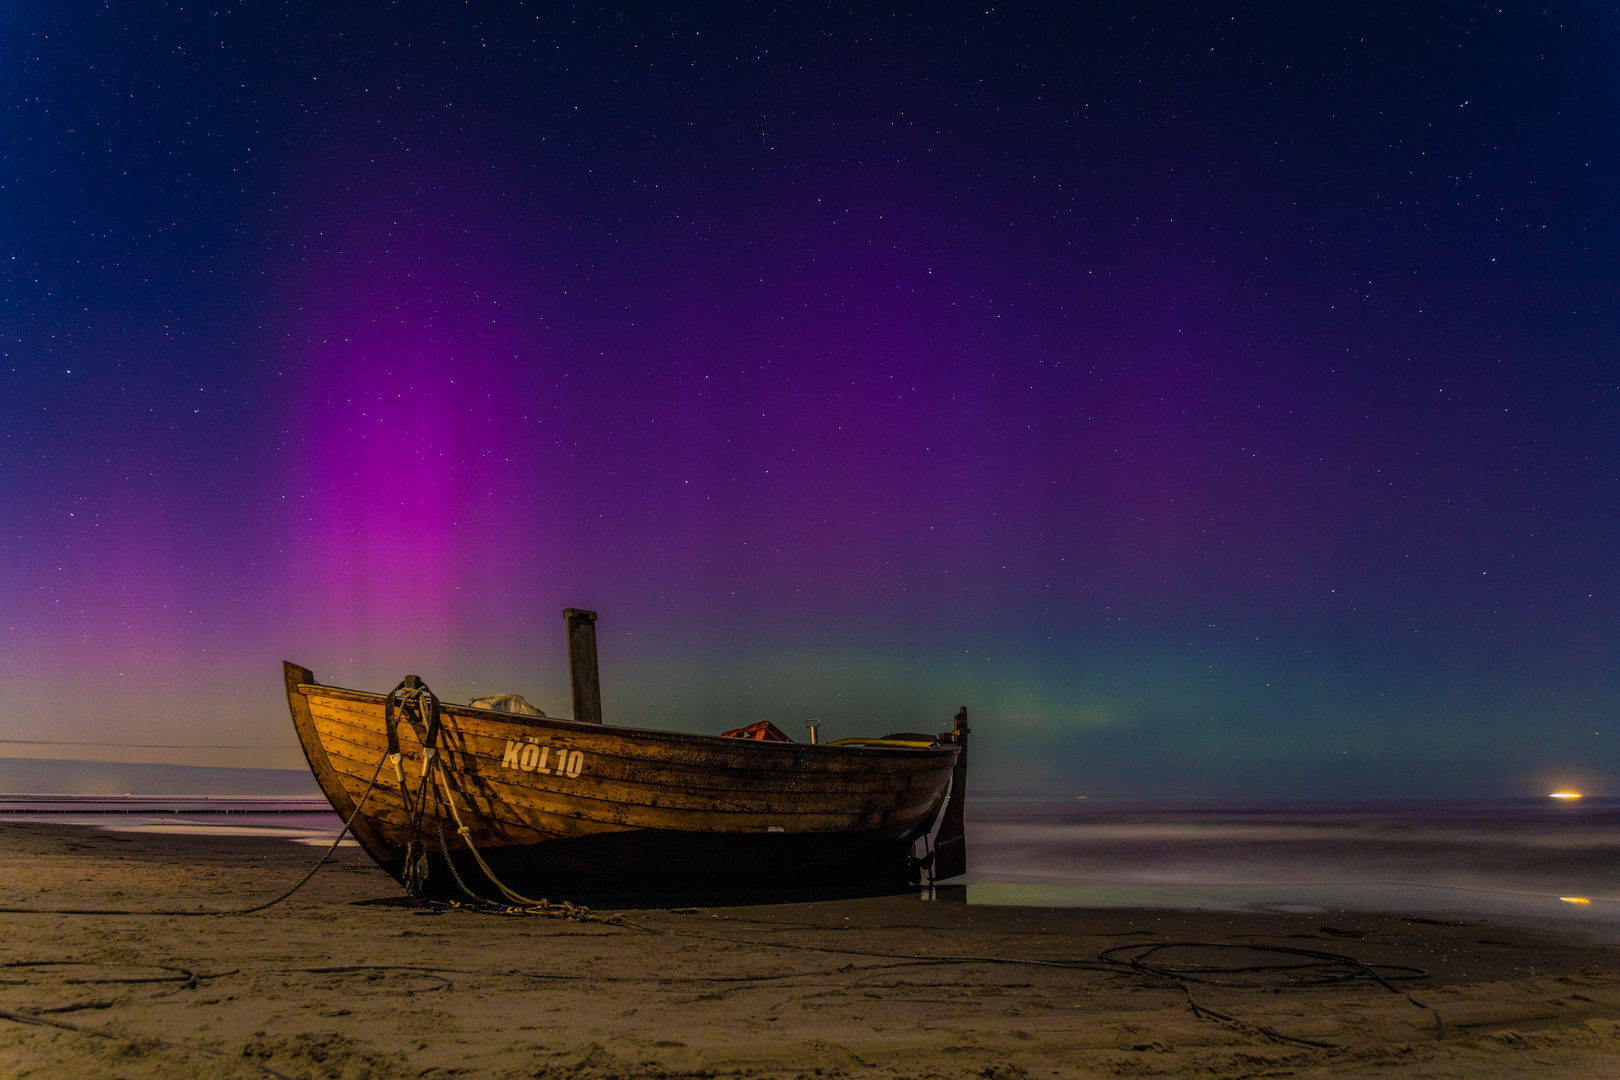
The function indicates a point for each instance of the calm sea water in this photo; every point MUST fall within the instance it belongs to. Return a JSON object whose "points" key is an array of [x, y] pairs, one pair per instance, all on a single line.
{"points": [[1521, 860], [1527, 861]]}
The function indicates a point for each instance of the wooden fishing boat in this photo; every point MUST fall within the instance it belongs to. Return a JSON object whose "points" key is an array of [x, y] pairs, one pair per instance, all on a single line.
{"points": [[535, 806]]}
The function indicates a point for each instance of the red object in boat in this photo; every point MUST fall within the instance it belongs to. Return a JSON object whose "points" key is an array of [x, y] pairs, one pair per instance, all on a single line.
{"points": [[764, 731]]}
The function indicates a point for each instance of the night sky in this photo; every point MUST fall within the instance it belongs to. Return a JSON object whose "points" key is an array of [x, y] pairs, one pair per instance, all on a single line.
{"points": [[1217, 401]]}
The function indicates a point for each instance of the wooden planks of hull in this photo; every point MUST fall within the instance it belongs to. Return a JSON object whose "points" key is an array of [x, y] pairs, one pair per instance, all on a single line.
{"points": [[717, 796], [640, 779], [633, 804], [550, 800]]}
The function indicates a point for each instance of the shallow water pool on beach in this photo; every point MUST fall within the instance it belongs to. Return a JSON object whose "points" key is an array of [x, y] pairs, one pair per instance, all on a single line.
{"points": [[299, 820]]}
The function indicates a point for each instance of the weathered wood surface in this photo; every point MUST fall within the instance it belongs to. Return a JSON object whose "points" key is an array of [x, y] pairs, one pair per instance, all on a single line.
{"points": [[950, 846], [584, 678], [504, 775]]}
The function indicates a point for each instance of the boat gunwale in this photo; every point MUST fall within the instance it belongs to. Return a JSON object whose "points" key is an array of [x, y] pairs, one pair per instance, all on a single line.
{"points": [[717, 741]]}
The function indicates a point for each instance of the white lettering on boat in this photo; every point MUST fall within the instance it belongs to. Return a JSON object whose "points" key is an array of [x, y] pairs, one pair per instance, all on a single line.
{"points": [[534, 757]]}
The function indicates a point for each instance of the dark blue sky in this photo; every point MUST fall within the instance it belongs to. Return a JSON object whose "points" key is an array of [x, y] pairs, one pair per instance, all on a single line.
{"points": [[1217, 401]]}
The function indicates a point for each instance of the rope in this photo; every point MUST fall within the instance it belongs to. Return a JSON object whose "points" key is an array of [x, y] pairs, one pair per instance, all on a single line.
{"points": [[426, 705], [1341, 968], [525, 906], [414, 695], [444, 845], [345, 831], [1108, 963], [466, 835], [1332, 968]]}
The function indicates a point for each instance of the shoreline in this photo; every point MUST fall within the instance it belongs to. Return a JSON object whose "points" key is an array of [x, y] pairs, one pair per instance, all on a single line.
{"points": [[348, 978], [1173, 873]]}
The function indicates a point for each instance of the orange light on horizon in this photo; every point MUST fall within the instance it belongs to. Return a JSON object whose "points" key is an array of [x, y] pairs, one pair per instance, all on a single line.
{"points": [[1574, 899], [1565, 795]]}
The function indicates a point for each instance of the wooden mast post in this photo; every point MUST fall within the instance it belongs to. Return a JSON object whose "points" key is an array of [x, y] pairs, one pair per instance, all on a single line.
{"points": [[582, 671], [950, 846]]}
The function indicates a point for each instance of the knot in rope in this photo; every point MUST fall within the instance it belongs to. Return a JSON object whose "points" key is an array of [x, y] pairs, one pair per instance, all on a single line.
{"points": [[413, 698]]}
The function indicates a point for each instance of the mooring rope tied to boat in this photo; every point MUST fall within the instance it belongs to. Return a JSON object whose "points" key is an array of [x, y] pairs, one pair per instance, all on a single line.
{"points": [[526, 906], [413, 694]]}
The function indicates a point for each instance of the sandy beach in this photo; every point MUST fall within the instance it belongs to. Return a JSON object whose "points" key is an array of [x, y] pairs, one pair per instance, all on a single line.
{"points": [[348, 979]]}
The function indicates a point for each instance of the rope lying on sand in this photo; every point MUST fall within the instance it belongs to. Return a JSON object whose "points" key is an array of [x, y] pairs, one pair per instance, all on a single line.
{"points": [[1323, 968], [1328, 968], [1306, 967]]}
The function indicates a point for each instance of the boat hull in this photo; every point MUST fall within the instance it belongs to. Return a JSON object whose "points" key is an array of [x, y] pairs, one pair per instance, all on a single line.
{"points": [[559, 808]]}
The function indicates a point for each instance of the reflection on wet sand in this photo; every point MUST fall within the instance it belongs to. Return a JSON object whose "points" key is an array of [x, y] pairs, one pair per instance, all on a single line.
{"points": [[299, 820]]}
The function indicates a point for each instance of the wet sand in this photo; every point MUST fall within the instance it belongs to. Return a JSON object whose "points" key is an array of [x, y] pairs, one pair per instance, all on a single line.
{"points": [[345, 980]]}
